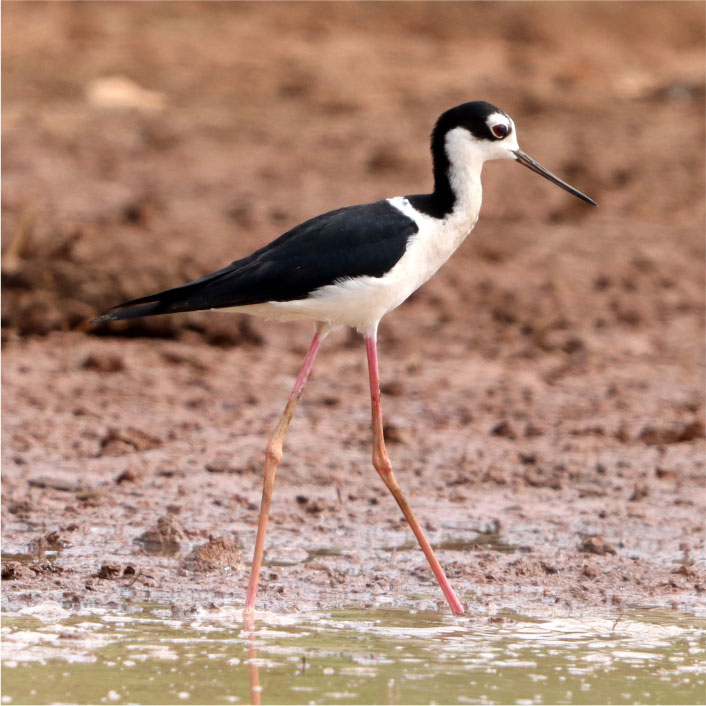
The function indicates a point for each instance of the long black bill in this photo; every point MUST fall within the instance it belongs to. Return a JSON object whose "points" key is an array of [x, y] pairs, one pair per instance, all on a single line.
{"points": [[528, 162]]}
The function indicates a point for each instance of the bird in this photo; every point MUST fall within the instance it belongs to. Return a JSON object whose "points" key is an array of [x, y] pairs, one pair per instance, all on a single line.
{"points": [[348, 268]]}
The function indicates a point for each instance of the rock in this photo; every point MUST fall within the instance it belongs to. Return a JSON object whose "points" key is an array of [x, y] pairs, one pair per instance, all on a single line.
{"points": [[103, 363], [218, 553], [394, 388], [642, 490], [541, 478], [121, 93], [166, 537], [128, 440], [596, 545], [129, 475], [64, 482], [590, 571], [504, 429], [394, 434], [655, 436], [12, 570], [108, 571]]}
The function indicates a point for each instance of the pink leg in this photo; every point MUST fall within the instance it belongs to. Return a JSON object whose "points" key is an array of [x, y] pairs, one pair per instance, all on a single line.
{"points": [[384, 468], [273, 456]]}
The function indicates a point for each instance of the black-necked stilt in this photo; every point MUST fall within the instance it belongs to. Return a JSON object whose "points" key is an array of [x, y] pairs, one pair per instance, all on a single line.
{"points": [[349, 268]]}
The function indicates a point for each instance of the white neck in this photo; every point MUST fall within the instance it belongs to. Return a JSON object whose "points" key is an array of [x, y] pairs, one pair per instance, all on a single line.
{"points": [[465, 165]]}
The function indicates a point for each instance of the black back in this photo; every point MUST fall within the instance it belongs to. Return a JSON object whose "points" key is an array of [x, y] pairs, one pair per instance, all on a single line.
{"points": [[350, 242]]}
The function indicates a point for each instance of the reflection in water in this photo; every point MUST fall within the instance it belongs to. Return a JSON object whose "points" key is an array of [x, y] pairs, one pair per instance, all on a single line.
{"points": [[253, 670]]}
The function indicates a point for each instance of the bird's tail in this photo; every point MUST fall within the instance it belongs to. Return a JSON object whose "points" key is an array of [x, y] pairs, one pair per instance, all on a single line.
{"points": [[144, 306], [192, 296]]}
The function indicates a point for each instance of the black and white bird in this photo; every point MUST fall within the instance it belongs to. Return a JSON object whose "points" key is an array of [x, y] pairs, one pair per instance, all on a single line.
{"points": [[352, 266]]}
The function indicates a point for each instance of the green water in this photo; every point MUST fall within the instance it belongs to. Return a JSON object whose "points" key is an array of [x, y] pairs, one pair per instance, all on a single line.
{"points": [[376, 657]]}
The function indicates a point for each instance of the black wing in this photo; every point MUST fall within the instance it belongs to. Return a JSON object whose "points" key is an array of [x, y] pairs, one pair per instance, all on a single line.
{"points": [[350, 242]]}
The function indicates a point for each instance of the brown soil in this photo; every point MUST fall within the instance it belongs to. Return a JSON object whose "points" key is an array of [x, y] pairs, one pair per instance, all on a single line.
{"points": [[543, 393]]}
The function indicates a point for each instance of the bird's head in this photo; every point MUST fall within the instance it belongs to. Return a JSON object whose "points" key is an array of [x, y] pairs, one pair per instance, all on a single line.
{"points": [[480, 131]]}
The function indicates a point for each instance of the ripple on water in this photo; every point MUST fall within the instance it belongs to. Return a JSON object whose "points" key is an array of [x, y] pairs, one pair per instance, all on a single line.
{"points": [[349, 657]]}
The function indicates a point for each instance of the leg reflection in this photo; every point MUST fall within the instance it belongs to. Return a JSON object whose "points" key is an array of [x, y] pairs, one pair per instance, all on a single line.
{"points": [[253, 671]]}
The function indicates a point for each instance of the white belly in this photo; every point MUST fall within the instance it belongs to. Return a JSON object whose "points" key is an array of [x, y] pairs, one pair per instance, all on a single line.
{"points": [[362, 301]]}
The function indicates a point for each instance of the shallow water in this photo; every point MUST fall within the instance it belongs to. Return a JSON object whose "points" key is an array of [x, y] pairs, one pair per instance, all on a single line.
{"points": [[349, 657]]}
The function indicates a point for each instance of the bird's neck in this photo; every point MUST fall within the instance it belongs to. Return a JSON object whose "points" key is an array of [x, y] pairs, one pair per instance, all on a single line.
{"points": [[457, 179]]}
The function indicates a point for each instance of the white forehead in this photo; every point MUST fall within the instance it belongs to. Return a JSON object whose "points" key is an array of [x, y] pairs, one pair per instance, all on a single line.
{"points": [[498, 119]]}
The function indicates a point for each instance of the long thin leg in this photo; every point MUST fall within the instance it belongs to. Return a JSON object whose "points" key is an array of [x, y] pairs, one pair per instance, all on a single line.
{"points": [[273, 456], [384, 468]]}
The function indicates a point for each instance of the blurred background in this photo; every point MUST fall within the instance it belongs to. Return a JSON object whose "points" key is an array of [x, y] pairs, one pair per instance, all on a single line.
{"points": [[145, 144]]}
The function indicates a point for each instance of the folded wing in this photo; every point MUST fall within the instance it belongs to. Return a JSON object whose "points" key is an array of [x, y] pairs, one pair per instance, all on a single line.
{"points": [[355, 241]]}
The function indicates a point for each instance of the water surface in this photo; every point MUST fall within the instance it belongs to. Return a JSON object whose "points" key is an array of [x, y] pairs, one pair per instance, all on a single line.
{"points": [[350, 657]]}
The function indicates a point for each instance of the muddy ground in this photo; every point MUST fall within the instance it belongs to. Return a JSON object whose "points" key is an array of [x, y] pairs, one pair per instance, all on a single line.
{"points": [[544, 392]]}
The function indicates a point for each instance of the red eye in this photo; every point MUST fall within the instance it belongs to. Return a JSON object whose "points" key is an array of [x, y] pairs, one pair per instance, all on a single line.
{"points": [[500, 130]]}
